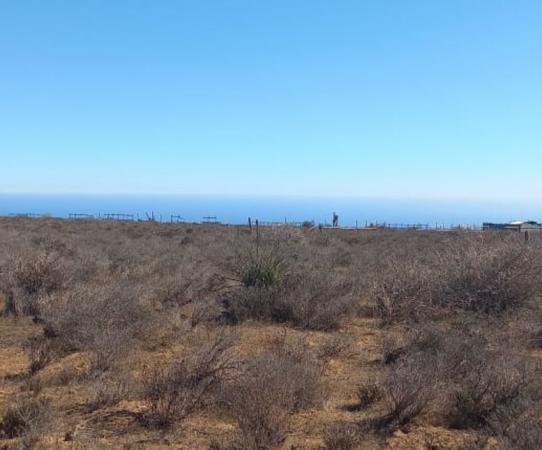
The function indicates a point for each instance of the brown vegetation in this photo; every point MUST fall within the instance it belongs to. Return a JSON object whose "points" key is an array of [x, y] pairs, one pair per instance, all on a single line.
{"points": [[146, 335]]}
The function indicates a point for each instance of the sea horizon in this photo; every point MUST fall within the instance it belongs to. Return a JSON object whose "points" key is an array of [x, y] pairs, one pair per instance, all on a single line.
{"points": [[236, 209]]}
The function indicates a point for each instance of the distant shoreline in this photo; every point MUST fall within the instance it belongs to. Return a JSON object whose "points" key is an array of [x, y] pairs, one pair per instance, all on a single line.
{"points": [[352, 212], [254, 223]]}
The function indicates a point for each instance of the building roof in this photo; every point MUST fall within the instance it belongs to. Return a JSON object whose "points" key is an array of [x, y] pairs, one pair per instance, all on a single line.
{"points": [[523, 222]]}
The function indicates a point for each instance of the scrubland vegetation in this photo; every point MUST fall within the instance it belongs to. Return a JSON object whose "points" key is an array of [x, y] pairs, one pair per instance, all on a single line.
{"points": [[144, 335]]}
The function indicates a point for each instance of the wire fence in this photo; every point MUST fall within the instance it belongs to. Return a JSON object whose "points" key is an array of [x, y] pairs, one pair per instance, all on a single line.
{"points": [[214, 220]]}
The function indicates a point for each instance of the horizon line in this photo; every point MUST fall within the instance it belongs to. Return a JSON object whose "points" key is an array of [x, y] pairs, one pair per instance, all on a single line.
{"points": [[445, 199]]}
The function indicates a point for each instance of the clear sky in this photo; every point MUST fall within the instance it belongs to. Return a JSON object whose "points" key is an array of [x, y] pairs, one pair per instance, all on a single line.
{"points": [[388, 98]]}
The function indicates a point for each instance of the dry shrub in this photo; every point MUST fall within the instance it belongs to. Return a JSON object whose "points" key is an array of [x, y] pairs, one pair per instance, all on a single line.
{"points": [[319, 299], [271, 387], [408, 387], [312, 297], [525, 434], [342, 436], [392, 349], [27, 418], [336, 345], [461, 376], [66, 375], [476, 442], [493, 393], [108, 391], [368, 393], [29, 276], [304, 371], [405, 291], [473, 274], [41, 352], [493, 277], [315, 300], [252, 303], [172, 293], [174, 392], [484, 384], [102, 320], [415, 374], [191, 281], [450, 351]]}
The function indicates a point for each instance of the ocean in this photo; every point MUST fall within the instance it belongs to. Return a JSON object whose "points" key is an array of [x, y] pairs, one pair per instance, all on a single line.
{"points": [[237, 210]]}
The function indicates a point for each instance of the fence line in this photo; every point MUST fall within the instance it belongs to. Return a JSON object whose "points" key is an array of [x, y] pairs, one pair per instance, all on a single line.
{"points": [[118, 216], [80, 216], [210, 220], [27, 215], [419, 226], [213, 220]]}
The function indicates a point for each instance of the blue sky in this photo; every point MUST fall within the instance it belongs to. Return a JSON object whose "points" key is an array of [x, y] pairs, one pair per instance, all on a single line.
{"points": [[396, 98]]}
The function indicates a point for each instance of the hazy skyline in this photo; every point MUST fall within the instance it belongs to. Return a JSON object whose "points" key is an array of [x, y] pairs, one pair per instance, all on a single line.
{"points": [[415, 99]]}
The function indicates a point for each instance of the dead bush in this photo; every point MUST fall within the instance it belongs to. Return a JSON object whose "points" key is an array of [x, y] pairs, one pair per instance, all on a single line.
{"points": [[342, 436], [190, 282], [318, 300], [304, 371], [408, 387], [482, 383], [27, 277], [102, 320], [476, 442], [368, 393], [41, 352], [174, 392], [392, 349], [416, 378], [27, 418], [493, 277], [405, 290], [492, 393], [335, 346], [313, 296], [313, 300], [525, 434], [253, 303], [271, 387], [108, 391], [473, 383], [205, 312], [472, 274], [172, 293], [451, 352]]}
